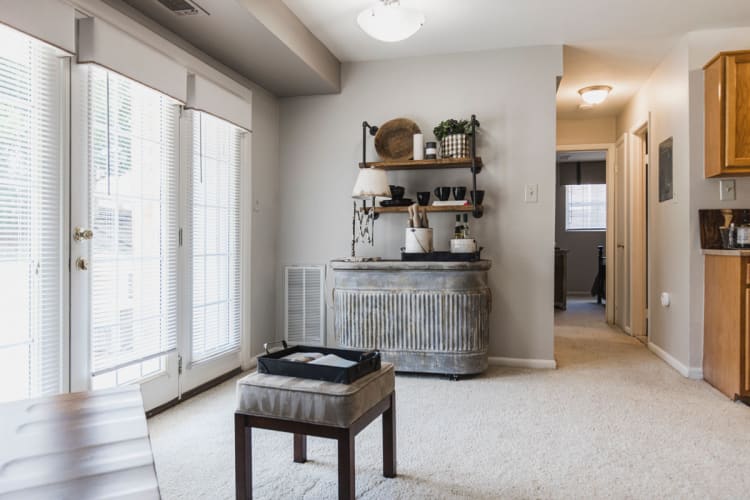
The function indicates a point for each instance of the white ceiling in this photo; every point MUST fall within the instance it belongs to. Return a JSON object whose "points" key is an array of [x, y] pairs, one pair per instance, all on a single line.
{"points": [[608, 42]]}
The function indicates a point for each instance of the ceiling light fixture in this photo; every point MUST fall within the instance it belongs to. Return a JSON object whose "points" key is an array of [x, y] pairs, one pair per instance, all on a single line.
{"points": [[595, 94], [388, 21]]}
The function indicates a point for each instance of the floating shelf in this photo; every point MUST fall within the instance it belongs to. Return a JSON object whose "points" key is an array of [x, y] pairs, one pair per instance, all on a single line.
{"points": [[425, 164], [428, 208]]}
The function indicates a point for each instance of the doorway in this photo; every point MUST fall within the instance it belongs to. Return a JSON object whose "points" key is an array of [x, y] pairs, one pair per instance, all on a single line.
{"points": [[155, 277], [639, 163], [583, 216]]}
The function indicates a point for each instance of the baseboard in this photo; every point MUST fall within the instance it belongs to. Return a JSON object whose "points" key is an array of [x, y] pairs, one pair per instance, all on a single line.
{"points": [[692, 373], [538, 364]]}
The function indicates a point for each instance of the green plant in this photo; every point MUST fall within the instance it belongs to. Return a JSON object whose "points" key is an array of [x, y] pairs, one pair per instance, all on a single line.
{"points": [[452, 126]]}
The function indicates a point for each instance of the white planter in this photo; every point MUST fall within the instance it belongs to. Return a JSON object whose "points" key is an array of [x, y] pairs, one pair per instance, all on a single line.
{"points": [[418, 240]]}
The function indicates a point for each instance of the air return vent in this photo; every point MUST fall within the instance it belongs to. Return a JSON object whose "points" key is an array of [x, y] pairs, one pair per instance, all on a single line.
{"points": [[183, 7], [305, 313]]}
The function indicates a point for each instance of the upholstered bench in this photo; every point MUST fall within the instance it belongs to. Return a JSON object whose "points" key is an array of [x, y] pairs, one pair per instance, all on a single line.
{"points": [[307, 407]]}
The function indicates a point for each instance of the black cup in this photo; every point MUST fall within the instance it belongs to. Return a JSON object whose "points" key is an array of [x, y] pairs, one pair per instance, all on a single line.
{"points": [[443, 193], [459, 193], [423, 197], [480, 196], [397, 192]]}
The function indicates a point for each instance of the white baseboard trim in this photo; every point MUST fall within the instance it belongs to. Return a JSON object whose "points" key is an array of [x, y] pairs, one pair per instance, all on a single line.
{"points": [[692, 373], [539, 364]]}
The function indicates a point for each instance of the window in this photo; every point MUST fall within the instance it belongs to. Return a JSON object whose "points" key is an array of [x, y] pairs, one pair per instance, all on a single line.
{"points": [[586, 207], [30, 223], [133, 193], [213, 224]]}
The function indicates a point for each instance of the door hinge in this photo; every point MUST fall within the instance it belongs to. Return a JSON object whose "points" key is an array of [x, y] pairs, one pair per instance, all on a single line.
{"points": [[179, 237], [179, 365]]}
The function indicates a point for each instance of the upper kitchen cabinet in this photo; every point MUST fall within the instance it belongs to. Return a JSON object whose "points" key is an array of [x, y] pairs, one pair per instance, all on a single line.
{"points": [[727, 113]]}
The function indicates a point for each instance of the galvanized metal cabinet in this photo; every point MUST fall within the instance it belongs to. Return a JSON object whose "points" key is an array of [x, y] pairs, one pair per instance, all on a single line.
{"points": [[429, 317]]}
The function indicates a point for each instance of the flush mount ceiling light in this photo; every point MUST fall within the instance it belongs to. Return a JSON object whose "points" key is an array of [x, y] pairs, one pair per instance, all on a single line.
{"points": [[388, 21], [595, 94]]}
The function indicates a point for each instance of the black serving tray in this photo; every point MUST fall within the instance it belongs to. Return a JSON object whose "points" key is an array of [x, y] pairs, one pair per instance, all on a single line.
{"points": [[271, 363], [441, 257]]}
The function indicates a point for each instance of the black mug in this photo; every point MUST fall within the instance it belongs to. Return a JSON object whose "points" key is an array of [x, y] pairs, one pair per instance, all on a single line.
{"points": [[423, 197], [459, 193], [479, 197], [443, 193]]}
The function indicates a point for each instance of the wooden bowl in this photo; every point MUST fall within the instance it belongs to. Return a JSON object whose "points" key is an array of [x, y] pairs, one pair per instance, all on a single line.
{"points": [[394, 140]]}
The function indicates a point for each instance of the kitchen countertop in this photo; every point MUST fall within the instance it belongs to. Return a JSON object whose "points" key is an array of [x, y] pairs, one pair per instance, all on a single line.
{"points": [[398, 265], [736, 252]]}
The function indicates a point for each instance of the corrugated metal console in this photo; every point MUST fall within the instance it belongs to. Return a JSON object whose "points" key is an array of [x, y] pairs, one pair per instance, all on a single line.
{"points": [[429, 317]]}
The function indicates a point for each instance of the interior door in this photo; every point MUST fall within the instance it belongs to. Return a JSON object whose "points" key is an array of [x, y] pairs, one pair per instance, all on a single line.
{"points": [[622, 259], [124, 246]]}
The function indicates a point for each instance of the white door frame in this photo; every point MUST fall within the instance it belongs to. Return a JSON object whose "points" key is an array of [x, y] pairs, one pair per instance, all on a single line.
{"points": [[609, 239], [639, 268]]}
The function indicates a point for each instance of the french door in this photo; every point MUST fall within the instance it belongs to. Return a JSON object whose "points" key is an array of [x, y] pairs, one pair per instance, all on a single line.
{"points": [[155, 249], [124, 246]]}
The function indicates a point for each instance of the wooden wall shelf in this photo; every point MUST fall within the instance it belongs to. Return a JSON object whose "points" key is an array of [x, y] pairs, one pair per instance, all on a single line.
{"points": [[428, 208], [425, 164]]}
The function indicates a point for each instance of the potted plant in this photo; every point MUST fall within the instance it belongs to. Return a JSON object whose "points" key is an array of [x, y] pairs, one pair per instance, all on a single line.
{"points": [[454, 137]]}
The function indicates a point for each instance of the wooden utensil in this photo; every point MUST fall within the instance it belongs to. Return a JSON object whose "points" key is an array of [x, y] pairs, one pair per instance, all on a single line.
{"points": [[394, 140]]}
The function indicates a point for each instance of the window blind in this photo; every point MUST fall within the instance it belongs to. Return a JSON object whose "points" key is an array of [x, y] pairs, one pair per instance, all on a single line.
{"points": [[133, 199], [30, 221], [586, 207], [213, 226]]}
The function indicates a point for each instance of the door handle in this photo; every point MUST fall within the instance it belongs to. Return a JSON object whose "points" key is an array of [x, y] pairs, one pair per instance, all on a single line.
{"points": [[620, 245], [82, 264], [80, 233]]}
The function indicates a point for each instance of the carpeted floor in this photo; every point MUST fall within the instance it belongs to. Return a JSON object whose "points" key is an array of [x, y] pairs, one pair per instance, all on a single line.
{"points": [[613, 421]]}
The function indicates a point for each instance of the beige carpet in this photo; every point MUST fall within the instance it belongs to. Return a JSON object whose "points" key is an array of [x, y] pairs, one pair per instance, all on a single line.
{"points": [[613, 421]]}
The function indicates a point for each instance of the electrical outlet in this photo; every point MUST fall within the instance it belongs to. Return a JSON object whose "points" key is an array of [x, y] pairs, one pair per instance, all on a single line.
{"points": [[531, 195], [727, 190]]}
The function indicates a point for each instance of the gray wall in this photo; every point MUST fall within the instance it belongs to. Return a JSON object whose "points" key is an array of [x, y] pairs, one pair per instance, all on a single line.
{"points": [[512, 93], [265, 222], [582, 255]]}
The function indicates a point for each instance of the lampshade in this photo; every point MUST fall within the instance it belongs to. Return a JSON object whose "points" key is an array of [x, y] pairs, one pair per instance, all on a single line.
{"points": [[388, 21], [371, 182], [595, 94]]}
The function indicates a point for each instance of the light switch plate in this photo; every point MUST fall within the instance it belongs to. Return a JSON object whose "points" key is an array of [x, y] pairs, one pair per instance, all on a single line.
{"points": [[531, 195], [727, 190], [256, 205]]}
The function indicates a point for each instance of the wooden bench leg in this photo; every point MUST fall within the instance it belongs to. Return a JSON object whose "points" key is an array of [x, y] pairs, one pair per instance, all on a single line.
{"points": [[389, 439], [347, 489], [300, 448], [243, 457]]}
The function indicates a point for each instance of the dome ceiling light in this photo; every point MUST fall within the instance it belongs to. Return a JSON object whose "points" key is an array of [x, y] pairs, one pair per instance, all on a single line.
{"points": [[388, 21], [595, 94]]}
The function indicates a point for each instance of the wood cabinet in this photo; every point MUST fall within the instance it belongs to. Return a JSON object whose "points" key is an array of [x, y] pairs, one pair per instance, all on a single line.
{"points": [[726, 330], [727, 114]]}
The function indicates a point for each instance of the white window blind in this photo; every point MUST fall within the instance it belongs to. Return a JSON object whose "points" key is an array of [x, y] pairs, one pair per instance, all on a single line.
{"points": [[213, 229], [30, 221], [133, 197], [586, 207]]}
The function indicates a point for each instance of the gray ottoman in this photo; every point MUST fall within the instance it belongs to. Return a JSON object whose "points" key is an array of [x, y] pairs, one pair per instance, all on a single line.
{"points": [[310, 407]]}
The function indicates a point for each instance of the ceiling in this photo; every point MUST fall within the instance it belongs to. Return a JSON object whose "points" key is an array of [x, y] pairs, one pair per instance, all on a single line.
{"points": [[251, 37], [615, 43]]}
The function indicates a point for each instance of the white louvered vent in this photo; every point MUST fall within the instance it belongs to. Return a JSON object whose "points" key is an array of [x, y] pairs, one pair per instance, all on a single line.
{"points": [[305, 314]]}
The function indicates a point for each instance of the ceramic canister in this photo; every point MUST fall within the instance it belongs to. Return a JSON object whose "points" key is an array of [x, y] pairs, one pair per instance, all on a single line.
{"points": [[418, 240]]}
